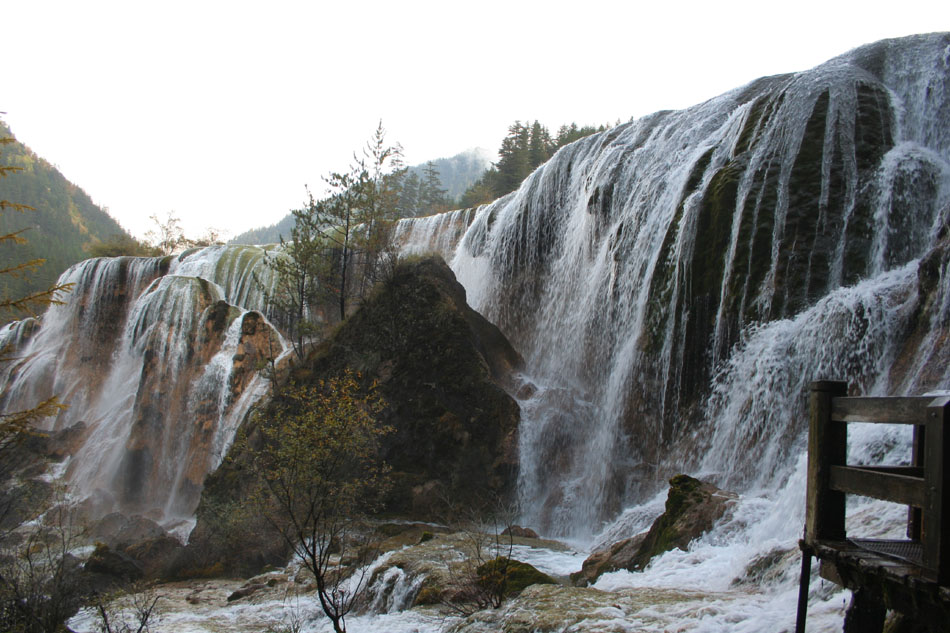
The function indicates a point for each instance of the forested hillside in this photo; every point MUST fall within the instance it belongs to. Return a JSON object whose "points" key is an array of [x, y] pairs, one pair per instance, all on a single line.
{"points": [[64, 221], [465, 180]]}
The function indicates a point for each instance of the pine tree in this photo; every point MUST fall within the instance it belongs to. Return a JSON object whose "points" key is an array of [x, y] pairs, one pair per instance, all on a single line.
{"points": [[433, 196], [541, 146], [345, 239], [409, 196], [514, 162], [522, 151], [293, 295]]}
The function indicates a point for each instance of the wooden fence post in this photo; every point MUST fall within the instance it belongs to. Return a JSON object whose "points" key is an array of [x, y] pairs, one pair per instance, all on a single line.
{"points": [[935, 529], [827, 446]]}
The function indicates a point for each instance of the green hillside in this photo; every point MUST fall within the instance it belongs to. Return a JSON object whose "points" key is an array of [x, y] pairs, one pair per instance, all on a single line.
{"points": [[62, 225]]}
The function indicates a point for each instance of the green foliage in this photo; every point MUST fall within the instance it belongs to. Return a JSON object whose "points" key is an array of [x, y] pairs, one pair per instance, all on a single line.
{"points": [[424, 189], [267, 234], [320, 471], [120, 244], [295, 290], [522, 151], [14, 425], [504, 577], [340, 245], [43, 217], [421, 192], [457, 173]]}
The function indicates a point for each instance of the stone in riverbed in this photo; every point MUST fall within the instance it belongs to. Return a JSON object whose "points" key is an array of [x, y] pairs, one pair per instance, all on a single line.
{"points": [[692, 508]]}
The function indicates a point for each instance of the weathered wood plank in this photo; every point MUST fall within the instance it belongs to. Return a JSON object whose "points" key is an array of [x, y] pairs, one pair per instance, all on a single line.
{"points": [[827, 445], [892, 410], [906, 471], [914, 515], [872, 482], [935, 531]]}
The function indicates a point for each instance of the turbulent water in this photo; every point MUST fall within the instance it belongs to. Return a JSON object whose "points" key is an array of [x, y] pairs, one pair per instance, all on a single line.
{"points": [[673, 284]]}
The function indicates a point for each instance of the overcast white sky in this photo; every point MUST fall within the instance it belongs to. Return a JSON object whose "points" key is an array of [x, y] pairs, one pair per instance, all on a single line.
{"points": [[223, 111]]}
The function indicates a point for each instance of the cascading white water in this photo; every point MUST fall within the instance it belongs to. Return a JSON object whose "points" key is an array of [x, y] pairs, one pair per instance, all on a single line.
{"points": [[675, 283], [672, 282], [155, 358], [440, 234]]}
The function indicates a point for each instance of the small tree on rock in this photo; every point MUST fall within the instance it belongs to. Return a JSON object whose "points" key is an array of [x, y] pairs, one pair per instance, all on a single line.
{"points": [[320, 472]]}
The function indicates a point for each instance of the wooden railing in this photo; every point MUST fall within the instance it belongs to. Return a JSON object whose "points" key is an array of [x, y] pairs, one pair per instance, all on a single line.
{"points": [[923, 485]]}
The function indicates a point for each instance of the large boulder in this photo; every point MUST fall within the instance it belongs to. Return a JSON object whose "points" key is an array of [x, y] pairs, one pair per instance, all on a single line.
{"points": [[443, 369], [692, 508]]}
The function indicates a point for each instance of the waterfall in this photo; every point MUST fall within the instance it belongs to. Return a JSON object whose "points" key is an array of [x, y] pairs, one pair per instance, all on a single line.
{"points": [[157, 359], [675, 282]]}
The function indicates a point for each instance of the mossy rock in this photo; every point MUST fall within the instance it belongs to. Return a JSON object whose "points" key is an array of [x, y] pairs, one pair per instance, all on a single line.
{"points": [[515, 575], [612, 558], [692, 508], [442, 369]]}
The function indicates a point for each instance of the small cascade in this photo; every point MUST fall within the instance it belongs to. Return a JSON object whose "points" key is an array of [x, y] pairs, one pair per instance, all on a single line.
{"points": [[438, 234], [393, 590], [158, 364]]}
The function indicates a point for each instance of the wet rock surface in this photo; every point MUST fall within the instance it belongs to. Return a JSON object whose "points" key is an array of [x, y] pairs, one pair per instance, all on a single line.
{"points": [[692, 509]]}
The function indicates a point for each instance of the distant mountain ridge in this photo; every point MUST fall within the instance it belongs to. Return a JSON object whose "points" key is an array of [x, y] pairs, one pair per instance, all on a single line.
{"points": [[64, 223], [460, 171], [457, 174]]}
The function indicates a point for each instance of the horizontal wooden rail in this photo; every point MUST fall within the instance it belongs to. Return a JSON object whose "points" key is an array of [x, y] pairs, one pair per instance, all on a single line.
{"points": [[883, 410], [877, 569], [880, 484]]}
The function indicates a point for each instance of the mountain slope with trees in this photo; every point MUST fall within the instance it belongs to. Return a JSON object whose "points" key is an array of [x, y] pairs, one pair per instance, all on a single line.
{"points": [[62, 226]]}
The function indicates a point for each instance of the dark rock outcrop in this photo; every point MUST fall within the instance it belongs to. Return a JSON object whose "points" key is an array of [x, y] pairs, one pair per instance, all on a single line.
{"points": [[113, 564], [440, 367], [519, 531], [692, 508]]}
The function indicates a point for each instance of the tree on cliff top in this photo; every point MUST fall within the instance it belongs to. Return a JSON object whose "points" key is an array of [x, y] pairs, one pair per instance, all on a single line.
{"points": [[340, 245], [358, 217], [320, 473]]}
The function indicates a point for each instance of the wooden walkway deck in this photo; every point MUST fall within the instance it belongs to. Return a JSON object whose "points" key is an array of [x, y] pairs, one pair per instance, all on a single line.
{"points": [[910, 576]]}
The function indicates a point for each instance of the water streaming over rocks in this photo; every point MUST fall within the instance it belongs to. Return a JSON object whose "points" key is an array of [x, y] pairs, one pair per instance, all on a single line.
{"points": [[673, 284], [159, 366]]}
